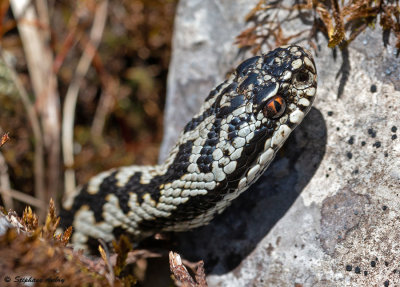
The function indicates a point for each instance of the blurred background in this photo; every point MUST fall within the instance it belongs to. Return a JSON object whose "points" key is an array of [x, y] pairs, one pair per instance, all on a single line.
{"points": [[97, 69]]}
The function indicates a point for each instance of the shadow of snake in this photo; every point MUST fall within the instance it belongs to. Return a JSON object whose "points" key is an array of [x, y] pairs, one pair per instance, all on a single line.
{"points": [[235, 233]]}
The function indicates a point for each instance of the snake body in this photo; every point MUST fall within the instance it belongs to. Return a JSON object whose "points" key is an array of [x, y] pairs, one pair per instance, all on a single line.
{"points": [[219, 154]]}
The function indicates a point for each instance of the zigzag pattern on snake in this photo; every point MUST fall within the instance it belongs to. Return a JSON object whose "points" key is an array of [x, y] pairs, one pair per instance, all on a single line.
{"points": [[226, 146]]}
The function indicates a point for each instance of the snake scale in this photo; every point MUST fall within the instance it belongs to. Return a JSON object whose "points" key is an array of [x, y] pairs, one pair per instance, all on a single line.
{"points": [[225, 147]]}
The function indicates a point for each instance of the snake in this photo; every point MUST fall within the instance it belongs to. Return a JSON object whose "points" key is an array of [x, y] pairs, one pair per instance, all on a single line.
{"points": [[221, 151]]}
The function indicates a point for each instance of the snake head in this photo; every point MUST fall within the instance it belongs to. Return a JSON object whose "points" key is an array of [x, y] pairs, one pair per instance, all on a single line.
{"points": [[237, 132], [257, 108], [285, 85], [271, 90], [276, 84]]}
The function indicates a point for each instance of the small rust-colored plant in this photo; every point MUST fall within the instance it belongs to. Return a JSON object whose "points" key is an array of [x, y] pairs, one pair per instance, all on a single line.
{"points": [[31, 252], [34, 253]]}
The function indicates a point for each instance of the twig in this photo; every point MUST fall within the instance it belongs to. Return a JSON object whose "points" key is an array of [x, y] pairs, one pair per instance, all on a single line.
{"points": [[33, 45], [105, 103], [25, 198], [182, 275], [37, 133], [105, 255], [134, 256], [99, 265], [75, 33], [72, 95], [201, 275], [40, 62], [5, 184], [43, 11]]}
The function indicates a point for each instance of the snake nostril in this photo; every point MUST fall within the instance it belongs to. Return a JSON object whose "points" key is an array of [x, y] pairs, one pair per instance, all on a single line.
{"points": [[302, 77]]}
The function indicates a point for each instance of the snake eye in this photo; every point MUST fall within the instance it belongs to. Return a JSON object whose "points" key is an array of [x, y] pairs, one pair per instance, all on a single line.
{"points": [[274, 107]]}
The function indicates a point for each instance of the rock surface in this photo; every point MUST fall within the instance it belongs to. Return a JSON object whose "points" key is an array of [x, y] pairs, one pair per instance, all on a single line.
{"points": [[327, 211]]}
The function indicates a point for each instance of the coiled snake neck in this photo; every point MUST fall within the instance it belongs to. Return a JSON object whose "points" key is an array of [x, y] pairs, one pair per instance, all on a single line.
{"points": [[220, 153]]}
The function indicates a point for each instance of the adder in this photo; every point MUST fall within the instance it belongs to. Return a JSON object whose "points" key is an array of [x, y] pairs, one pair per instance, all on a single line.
{"points": [[222, 150]]}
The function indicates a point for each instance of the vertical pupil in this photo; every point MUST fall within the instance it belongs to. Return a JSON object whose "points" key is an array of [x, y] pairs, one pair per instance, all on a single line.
{"points": [[277, 105]]}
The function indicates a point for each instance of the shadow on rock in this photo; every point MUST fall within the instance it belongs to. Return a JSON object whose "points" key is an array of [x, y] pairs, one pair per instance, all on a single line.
{"points": [[234, 234]]}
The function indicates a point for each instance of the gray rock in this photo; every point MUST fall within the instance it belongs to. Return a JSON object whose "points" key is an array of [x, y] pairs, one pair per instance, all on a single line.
{"points": [[327, 211], [4, 224], [203, 53], [10, 221]]}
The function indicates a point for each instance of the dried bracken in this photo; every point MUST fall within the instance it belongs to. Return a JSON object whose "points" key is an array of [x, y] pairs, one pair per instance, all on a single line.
{"points": [[340, 21]]}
